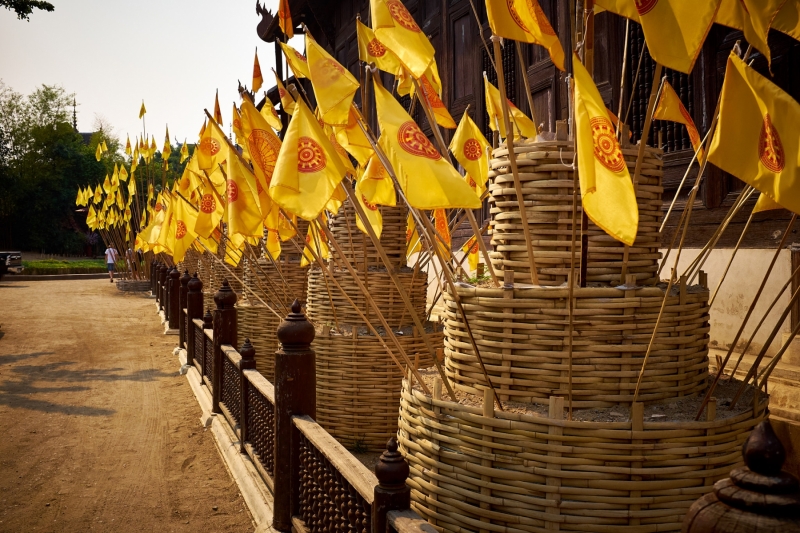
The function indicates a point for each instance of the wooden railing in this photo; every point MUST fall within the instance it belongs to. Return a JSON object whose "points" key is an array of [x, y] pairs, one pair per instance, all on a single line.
{"points": [[318, 486]]}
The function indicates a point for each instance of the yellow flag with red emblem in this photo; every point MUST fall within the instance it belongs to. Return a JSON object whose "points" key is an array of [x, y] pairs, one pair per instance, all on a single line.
{"points": [[671, 108], [524, 20], [297, 61], [428, 181], [185, 222], [753, 18], [497, 120], [308, 169], [236, 125], [263, 147], [128, 149], [471, 149], [316, 241], [607, 192], [213, 148], [374, 188], [397, 30], [765, 203], [757, 139], [674, 29], [273, 244], [285, 19], [243, 209], [471, 248], [287, 102], [270, 115], [353, 140], [440, 112], [212, 209], [442, 228], [167, 150], [217, 111], [371, 50], [258, 78], [334, 86], [413, 242]]}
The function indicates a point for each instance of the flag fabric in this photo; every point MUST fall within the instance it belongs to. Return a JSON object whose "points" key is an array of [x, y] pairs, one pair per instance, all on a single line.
{"points": [[671, 108], [751, 17], [98, 154], [211, 211], [132, 187], [316, 241], [374, 187], [167, 150], [107, 185], [287, 102], [142, 110], [79, 198], [263, 147], [244, 209], [397, 30], [297, 61], [270, 115], [413, 242], [788, 20], [757, 139], [353, 139], [128, 149], [236, 125], [213, 148], [497, 120], [607, 193], [440, 113], [674, 29], [135, 159], [524, 21], [217, 111], [123, 174], [258, 78], [471, 247], [442, 229], [428, 180], [308, 169], [765, 203], [98, 195], [184, 151], [334, 86], [285, 19], [185, 222], [105, 147], [470, 149], [371, 50], [273, 244]]}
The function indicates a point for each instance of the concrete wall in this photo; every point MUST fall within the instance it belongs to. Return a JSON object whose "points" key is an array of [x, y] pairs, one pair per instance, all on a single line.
{"points": [[738, 290]]}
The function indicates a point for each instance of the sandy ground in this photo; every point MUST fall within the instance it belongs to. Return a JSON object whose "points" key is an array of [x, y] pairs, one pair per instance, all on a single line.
{"points": [[99, 433]]}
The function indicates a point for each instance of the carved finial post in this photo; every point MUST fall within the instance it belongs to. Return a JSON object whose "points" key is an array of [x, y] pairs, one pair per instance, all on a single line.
{"points": [[183, 321], [174, 298], [224, 333], [392, 493], [295, 394], [248, 362], [194, 309], [162, 281]]}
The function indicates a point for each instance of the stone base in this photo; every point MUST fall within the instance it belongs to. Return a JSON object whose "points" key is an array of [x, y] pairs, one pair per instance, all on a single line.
{"points": [[792, 354]]}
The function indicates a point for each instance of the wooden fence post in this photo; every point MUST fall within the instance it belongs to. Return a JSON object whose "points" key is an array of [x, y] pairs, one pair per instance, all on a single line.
{"points": [[162, 278], [248, 362], [194, 309], [174, 299], [224, 333], [391, 493], [295, 394], [154, 267], [183, 329]]}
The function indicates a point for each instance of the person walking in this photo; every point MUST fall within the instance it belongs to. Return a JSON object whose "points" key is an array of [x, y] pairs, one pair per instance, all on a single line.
{"points": [[111, 261]]}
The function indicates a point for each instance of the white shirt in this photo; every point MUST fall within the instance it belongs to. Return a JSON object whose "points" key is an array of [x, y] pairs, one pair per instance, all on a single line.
{"points": [[111, 255]]}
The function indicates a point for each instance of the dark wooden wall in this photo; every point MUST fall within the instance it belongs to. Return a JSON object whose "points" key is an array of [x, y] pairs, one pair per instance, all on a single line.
{"points": [[455, 33]]}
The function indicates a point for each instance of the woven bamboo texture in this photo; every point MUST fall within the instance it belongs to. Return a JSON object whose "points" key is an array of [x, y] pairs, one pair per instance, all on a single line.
{"points": [[522, 337], [380, 287], [547, 179], [358, 386], [358, 247], [259, 324], [283, 281], [206, 275], [507, 472]]}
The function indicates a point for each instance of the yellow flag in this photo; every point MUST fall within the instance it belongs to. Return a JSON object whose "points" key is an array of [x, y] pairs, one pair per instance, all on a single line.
{"points": [[394, 26], [167, 150], [316, 241], [674, 29], [470, 148], [428, 180], [413, 242], [185, 221], [353, 140], [132, 187], [270, 115], [91, 215], [236, 125], [287, 102], [123, 173], [98, 195], [258, 78], [285, 19], [107, 185], [606, 189], [471, 247], [308, 169], [184, 151], [497, 122], [753, 18], [211, 211], [98, 154], [765, 203], [374, 187], [79, 198], [213, 148], [217, 111], [152, 145], [524, 20], [243, 210], [757, 139], [263, 147], [135, 160], [166, 236], [371, 50], [128, 149], [788, 19], [273, 244], [440, 112], [142, 110], [442, 229], [115, 178], [334, 86], [297, 61], [671, 108]]}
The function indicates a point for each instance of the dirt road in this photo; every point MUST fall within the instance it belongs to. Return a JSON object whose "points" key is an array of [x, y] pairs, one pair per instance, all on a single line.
{"points": [[97, 430]]}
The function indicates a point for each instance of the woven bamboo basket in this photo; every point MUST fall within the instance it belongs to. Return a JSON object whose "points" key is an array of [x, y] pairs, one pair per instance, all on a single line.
{"points": [[358, 247], [522, 335], [358, 385], [259, 324], [547, 180], [328, 305], [280, 282], [474, 469]]}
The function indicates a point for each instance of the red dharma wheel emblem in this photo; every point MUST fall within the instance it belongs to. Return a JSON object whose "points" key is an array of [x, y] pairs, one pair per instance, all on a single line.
{"points": [[413, 141], [376, 48], [645, 6], [300, 56], [512, 10], [370, 206], [233, 191], [541, 19], [310, 157], [209, 146], [471, 181], [264, 148], [430, 93], [180, 229], [770, 148], [207, 204], [401, 15], [472, 149], [606, 148], [159, 207], [237, 124], [281, 93]]}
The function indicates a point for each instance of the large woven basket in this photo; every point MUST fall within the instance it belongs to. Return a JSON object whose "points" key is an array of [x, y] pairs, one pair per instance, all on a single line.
{"points": [[259, 324], [358, 247]]}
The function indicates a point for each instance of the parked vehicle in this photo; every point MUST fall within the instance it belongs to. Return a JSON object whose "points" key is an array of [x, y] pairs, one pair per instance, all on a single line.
{"points": [[10, 262]]}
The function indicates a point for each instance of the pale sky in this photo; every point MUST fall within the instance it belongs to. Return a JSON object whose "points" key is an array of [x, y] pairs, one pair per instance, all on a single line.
{"points": [[174, 54]]}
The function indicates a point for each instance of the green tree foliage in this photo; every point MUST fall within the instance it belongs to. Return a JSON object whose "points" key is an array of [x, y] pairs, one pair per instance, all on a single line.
{"points": [[24, 8]]}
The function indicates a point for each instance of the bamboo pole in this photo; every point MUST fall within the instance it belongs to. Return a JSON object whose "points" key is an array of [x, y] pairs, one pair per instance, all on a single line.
{"points": [[525, 81], [622, 76]]}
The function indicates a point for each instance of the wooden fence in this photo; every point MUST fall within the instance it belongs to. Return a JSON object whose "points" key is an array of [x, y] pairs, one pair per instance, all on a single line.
{"points": [[318, 486]]}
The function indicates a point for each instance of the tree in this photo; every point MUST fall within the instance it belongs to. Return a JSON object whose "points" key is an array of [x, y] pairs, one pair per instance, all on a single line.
{"points": [[24, 8]]}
